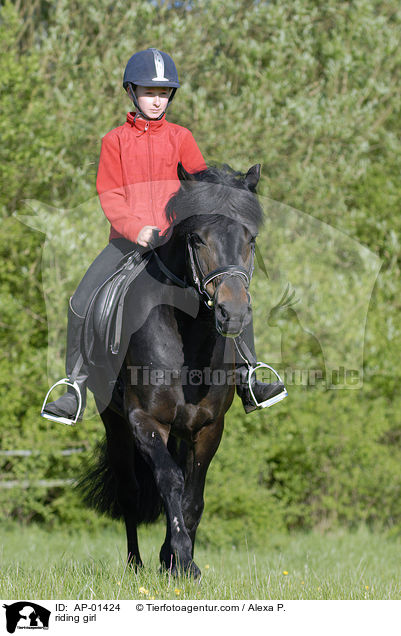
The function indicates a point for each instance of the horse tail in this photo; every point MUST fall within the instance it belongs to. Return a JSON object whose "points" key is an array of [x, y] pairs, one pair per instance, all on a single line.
{"points": [[99, 487]]}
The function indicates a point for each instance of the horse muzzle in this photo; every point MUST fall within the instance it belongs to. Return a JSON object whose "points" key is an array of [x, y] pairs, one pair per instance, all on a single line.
{"points": [[232, 316]]}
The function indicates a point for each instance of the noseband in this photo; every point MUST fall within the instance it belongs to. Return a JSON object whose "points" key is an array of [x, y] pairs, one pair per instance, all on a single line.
{"points": [[201, 280]]}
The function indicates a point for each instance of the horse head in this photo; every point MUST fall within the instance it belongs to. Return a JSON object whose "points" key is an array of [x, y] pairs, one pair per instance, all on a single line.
{"points": [[217, 216]]}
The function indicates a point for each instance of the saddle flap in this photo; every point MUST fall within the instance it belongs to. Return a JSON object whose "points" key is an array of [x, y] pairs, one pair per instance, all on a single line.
{"points": [[105, 307], [103, 321]]}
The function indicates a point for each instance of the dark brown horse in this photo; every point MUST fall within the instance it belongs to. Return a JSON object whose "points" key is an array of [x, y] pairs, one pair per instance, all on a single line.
{"points": [[165, 420]]}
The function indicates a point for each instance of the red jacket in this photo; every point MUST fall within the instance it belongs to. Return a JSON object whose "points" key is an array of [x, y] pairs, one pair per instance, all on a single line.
{"points": [[137, 172]]}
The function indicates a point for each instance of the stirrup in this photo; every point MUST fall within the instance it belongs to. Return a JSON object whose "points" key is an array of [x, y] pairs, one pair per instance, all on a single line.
{"points": [[272, 400], [59, 418]]}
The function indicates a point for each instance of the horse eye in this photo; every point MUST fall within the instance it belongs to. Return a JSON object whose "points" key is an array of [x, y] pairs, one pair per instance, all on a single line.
{"points": [[197, 239]]}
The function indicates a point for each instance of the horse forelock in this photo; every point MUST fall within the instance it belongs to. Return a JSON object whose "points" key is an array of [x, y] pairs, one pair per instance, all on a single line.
{"points": [[213, 195]]}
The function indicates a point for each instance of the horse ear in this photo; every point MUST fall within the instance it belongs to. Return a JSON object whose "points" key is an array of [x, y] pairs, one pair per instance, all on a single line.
{"points": [[182, 174], [252, 177]]}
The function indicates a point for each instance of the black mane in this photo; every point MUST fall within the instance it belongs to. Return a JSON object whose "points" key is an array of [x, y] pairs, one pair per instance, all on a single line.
{"points": [[213, 194]]}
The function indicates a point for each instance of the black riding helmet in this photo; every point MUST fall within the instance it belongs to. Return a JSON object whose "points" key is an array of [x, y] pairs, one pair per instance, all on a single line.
{"points": [[150, 67]]}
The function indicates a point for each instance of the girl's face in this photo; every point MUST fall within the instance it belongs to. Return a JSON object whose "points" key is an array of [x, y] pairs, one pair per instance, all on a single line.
{"points": [[153, 100]]}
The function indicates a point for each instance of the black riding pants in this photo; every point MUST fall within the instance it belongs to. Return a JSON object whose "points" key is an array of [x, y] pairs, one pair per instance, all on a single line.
{"points": [[105, 264]]}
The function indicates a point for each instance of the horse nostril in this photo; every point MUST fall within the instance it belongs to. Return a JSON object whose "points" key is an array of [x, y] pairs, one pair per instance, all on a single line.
{"points": [[222, 311]]}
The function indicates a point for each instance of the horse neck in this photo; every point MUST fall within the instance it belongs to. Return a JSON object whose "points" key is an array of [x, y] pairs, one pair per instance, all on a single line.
{"points": [[173, 255]]}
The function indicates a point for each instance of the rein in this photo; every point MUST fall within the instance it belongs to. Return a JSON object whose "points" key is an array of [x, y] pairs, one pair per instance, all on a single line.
{"points": [[167, 272]]}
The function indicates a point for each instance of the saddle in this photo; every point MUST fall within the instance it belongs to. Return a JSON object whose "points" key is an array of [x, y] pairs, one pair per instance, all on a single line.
{"points": [[103, 321]]}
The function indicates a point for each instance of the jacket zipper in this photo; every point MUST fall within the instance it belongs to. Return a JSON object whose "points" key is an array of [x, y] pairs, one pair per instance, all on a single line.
{"points": [[149, 142]]}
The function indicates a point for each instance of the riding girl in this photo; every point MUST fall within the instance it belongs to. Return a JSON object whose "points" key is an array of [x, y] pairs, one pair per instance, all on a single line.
{"points": [[137, 175]]}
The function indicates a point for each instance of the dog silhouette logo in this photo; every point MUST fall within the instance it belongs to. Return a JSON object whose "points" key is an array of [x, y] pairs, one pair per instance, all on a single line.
{"points": [[26, 615]]}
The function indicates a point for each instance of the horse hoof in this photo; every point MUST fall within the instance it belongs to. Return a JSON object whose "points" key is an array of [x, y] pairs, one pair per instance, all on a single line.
{"points": [[190, 570], [171, 571], [135, 565], [194, 571]]}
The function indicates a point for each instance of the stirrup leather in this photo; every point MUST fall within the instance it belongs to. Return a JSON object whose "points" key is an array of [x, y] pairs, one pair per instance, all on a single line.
{"points": [[272, 400], [59, 418]]}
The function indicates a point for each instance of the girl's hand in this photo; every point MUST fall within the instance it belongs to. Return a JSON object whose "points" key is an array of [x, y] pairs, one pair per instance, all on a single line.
{"points": [[145, 235]]}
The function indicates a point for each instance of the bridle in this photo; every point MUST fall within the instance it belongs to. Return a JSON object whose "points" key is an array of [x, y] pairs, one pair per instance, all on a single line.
{"points": [[201, 280]]}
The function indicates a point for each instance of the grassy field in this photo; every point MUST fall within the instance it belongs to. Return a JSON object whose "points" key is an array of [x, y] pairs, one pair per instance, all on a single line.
{"points": [[81, 565]]}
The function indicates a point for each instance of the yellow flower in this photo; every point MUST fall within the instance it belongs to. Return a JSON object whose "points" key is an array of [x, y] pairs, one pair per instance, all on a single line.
{"points": [[177, 591], [207, 567], [143, 590], [366, 587], [285, 572]]}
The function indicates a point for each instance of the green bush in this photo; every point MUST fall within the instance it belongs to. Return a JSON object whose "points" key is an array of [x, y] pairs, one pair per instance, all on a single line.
{"points": [[324, 459]]}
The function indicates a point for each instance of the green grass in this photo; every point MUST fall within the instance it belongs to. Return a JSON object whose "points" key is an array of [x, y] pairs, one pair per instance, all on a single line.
{"points": [[38, 564]]}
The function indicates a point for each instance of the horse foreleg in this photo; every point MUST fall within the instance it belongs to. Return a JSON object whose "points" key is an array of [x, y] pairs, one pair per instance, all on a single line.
{"points": [[198, 460], [151, 440]]}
